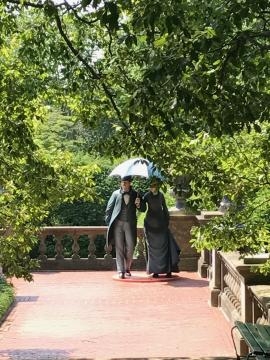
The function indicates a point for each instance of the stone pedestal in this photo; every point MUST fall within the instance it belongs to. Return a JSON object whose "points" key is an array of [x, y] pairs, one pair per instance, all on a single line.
{"points": [[214, 279], [203, 264], [205, 261], [180, 226]]}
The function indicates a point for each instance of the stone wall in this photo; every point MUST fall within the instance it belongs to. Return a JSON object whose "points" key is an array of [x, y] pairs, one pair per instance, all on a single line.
{"points": [[240, 292], [180, 226]]}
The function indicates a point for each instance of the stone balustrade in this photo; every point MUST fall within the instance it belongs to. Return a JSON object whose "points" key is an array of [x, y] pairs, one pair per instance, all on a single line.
{"points": [[240, 292], [180, 226], [76, 262]]}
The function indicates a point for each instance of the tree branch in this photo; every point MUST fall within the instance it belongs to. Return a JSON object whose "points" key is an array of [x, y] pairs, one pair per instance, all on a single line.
{"points": [[95, 75], [53, 7], [72, 8]]}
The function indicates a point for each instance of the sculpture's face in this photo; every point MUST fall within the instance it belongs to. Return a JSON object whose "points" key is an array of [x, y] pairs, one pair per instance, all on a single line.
{"points": [[154, 188], [125, 185]]}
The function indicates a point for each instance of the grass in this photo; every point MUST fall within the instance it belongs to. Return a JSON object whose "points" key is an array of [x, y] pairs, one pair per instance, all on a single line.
{"points": [[7, 295]]}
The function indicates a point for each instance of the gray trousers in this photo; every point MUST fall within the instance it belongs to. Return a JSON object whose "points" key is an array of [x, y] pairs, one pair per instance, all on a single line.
{"points": [[124, 245]]}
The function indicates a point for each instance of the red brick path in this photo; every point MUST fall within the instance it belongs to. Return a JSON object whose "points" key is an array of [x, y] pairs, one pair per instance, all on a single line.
{"points": [[88, 315]]}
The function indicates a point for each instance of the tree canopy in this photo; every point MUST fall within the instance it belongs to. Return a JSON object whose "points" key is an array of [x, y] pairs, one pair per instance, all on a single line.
{"points": [[148, 68]]}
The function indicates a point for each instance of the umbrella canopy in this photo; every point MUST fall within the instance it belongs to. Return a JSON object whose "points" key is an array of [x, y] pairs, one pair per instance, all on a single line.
{"points": [[136, 167]]}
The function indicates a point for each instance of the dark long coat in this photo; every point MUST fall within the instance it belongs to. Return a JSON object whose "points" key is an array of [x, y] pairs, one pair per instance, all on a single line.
{"points": [[162, 249], [113, 209]]}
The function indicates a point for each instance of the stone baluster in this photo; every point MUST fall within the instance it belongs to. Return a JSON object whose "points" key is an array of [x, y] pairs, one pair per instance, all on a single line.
{"points": [[42, 248], [108, 251], [59, 248], [76, 248], [91, 247], [230, 297], [203, 263]]}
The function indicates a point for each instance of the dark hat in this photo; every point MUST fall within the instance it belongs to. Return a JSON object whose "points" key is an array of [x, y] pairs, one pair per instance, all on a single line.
{"points": [[155, 181], [126, 178]]}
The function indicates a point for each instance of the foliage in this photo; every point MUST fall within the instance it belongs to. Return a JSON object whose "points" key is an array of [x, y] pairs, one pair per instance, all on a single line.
{"points": [[243, 162], [60, 134], [31, 182], [82, 212], [131, 70], [148, 70], [6, 296], [32, 186]]}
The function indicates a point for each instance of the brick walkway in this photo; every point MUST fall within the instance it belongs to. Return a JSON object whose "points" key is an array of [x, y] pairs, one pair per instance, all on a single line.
{"points": [[88, 315]]}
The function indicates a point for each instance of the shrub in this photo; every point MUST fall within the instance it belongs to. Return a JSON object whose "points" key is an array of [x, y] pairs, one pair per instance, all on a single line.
{"points": [[7, 295]]}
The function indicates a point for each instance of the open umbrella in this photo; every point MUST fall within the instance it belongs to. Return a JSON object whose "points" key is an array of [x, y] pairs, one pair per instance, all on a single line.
{"points": [[136, 167]]}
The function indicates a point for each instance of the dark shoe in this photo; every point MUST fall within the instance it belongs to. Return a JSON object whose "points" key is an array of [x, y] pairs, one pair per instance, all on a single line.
{"points": [[155, 276], [128, 273], [121, 275], [168, 275]]}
